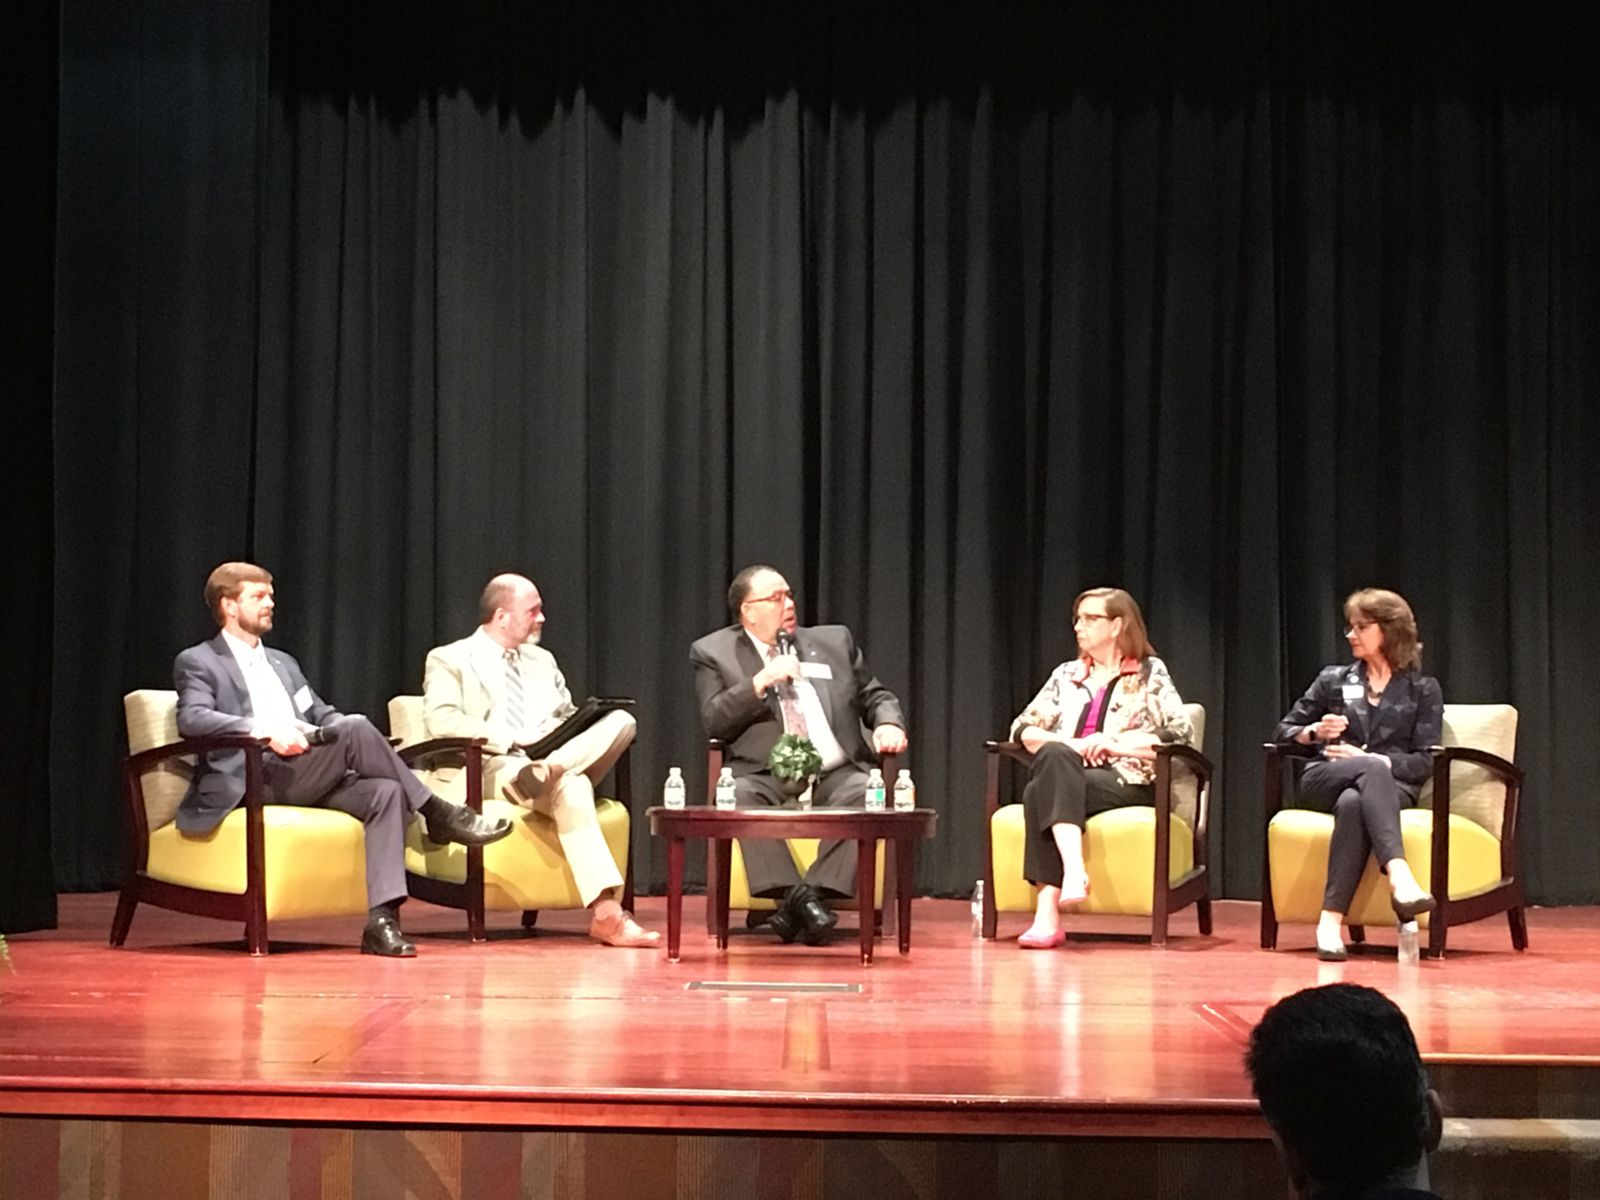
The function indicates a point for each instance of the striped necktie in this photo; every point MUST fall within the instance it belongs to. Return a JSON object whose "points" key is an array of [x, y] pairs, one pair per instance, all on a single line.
{"points": [[514, 700], [794, 720]]}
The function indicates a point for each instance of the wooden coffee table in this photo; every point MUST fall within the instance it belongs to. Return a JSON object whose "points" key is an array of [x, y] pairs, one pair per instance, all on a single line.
{"points": [[900, 831]]}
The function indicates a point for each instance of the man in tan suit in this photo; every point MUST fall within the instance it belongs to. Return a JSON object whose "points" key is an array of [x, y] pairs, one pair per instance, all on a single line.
{"points": [[501, 685]]}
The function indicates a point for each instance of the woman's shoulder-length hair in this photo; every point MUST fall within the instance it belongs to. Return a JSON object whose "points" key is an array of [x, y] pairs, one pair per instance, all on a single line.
{"points": [[1134, 640], [1393, 615]]}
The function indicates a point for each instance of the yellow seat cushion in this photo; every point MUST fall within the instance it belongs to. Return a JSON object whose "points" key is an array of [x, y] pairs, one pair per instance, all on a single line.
{"points": [[1297, 848], [1119, 852], [526, 870], [315, 860], [804, 853]]}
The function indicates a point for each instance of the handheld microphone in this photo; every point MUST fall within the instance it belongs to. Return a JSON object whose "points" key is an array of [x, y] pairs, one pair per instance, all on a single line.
{"points": [[321, 735], [1349, 692], [785, 643]]}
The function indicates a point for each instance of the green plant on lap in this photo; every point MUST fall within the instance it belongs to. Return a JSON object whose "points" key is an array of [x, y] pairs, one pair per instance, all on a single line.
{"points": [[794, 763]]}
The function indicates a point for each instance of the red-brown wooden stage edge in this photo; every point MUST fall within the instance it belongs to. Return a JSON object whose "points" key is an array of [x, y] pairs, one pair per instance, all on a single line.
{"points": [[1105, 1037]]}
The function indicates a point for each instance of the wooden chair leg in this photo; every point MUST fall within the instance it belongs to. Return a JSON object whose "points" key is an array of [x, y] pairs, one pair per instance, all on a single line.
{"points": [[1358, 933], [1158, 927], [1202, 909], [129, 900], [530, 918], [1269, 912], [1438, 929], [1518, 921]]}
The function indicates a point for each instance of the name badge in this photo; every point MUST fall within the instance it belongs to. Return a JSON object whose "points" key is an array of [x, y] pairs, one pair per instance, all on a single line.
{"points": [[816, 670], [302, 698], [1352, 692]]}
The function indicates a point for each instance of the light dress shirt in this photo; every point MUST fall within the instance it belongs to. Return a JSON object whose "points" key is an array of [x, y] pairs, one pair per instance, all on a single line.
{"points": [[817, 727], [270, 706]]}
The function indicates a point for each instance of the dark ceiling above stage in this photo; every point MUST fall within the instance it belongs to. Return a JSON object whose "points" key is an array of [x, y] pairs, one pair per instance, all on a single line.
{"points": [[524, 58]]}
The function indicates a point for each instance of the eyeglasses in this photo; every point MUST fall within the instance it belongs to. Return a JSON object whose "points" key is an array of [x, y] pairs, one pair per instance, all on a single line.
{"points": [[1358, 627], [779, 596], [1084, 618]]}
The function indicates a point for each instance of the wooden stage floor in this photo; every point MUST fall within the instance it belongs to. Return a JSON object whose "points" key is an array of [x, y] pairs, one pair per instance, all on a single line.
{"points": [[1106, 1037]]}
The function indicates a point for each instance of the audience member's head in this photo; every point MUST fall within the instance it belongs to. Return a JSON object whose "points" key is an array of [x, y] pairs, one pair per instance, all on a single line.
{"points": [[1340, 1081]]}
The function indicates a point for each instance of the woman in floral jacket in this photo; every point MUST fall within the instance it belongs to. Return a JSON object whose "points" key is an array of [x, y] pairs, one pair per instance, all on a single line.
{"points": [[1092, 731]]}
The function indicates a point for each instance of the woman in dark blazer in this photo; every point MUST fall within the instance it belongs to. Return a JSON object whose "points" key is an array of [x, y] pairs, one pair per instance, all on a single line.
{"points": [[1374, 723]]}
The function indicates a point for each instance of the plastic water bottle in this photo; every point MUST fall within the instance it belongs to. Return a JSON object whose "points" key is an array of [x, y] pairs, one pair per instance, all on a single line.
{"points": [[672, 795], [875, 790], [905, 792], [727, 793], [977, 909], [1409, 950]]}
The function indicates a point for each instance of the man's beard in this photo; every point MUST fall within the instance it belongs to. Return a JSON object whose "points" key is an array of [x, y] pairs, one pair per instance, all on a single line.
{"points": [[259, 626]]}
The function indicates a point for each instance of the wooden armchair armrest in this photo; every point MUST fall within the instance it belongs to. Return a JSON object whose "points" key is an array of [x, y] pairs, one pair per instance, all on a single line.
{"points": [[1507, 772], [716, 748], [1443, 756], [1166, 754], [471, 750], [136, 765], [145, 759], [1197, 762], [414, 753]]}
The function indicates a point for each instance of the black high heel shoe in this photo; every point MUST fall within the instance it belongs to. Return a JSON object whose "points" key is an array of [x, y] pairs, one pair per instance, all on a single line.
{"points": [[1408, 910]]}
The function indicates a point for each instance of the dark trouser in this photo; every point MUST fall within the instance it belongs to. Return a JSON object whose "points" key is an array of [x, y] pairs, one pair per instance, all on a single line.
{"points": [[1062, 791], [1365, 802], [358, 773], [767, 863]]}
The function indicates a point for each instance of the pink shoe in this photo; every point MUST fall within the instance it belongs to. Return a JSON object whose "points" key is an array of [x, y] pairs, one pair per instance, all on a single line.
{"points": [[1041, 941], [622, 930]]}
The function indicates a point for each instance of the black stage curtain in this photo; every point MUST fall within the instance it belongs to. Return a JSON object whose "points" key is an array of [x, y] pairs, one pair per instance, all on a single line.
{"points": [[947, 318], [28, 42]]}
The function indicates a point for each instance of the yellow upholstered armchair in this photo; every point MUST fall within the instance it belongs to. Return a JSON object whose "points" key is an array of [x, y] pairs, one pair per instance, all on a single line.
{"points": [[1143, 860], [1461, 837], [802, 850], [262, 863], [525, 872]]}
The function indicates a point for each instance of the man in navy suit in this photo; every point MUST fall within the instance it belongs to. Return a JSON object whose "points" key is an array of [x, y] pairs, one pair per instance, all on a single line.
{"points": [[751, 691], [317, 756]]}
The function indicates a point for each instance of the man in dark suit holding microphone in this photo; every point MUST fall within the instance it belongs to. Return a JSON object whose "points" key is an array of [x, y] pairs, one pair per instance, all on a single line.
{"points": [[317, 756], [763, 676]]}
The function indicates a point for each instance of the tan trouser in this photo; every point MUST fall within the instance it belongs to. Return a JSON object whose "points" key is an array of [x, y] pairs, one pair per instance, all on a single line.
{"points": [[570, 804]]}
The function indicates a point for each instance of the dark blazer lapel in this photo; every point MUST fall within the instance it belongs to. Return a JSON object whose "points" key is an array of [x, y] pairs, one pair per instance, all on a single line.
{"points": [[281, 670], [230, 668], [747, 661]]}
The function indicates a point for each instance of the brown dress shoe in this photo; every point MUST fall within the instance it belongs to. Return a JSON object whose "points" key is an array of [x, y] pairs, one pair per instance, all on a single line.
{"points": [[534, 782], [622, 930]]}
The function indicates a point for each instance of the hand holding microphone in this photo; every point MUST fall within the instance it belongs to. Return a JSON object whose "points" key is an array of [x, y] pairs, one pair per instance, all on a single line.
{"points": [[782, 671], [1330, 728]]}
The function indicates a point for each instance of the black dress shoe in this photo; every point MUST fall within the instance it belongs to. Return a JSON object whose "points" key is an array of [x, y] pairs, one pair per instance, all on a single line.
{"points": [[816, 916], [461, 824], [382, 936], [785, 922]]}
